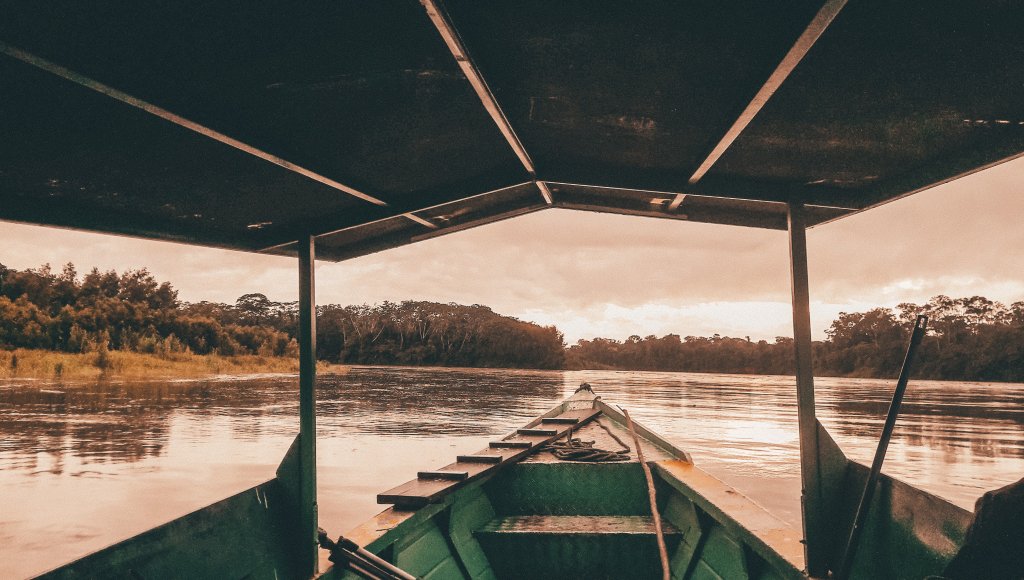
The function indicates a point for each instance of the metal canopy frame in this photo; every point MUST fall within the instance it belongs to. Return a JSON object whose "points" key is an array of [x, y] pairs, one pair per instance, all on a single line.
{"points": [[451, 38], [748, 200], [80, 79], [803, 44]]}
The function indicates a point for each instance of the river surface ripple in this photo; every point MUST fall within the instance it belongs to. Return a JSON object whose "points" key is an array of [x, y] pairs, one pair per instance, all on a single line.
{"points": [[85, 465]]}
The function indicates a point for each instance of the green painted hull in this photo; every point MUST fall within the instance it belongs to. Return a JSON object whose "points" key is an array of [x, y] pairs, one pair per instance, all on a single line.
{"points": [[462, 538], [249, 535], [544, 518]]}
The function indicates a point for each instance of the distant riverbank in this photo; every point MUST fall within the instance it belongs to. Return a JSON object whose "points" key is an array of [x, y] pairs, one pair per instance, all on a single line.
{"points": [[45, 364]]}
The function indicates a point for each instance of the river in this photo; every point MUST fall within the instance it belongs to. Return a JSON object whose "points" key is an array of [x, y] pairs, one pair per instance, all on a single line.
{"points": [[85, 465]]}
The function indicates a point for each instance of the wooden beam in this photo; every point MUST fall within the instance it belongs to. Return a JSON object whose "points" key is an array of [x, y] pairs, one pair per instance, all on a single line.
{"points": [[812, 505], [413, 217], [422, 209], [82, 80], [478, 222], [814, 30], [615, 188], [744, 192], [307, 404], [545, 192], [444, 26]]}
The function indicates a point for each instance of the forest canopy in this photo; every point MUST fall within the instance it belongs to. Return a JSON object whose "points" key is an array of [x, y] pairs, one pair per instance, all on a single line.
{"points": [[132, 311], [971, 338]]}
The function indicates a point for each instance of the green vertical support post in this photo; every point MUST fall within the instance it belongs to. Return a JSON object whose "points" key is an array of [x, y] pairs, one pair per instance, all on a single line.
{"points": [[307, 402], [815, 539]]}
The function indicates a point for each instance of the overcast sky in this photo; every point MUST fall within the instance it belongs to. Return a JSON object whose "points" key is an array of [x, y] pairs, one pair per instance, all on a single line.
{"points": [[613, 276]]}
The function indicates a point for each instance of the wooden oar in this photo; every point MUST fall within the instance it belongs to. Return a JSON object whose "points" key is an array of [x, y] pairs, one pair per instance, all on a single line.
{"points": [[853, 539], [361, 561], [662, 550]]}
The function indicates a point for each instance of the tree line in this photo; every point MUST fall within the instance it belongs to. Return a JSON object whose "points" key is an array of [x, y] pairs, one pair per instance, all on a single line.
{"points": [[132, 311], [970, 338]]}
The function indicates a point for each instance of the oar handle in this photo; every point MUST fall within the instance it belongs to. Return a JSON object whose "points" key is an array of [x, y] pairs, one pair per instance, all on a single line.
{"points": [[363, 562], [843, 572]]}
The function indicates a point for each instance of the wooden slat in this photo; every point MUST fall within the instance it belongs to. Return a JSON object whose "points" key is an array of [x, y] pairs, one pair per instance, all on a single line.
{"points": [[479, 458], [511, 444], [416, 493], [540, 432], [575, 525], [433, 486], [560, 420], [449, 475]]}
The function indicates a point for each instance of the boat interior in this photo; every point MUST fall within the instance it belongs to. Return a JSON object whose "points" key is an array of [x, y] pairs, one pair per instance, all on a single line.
{"points": [[544, 517], [334, 130]]}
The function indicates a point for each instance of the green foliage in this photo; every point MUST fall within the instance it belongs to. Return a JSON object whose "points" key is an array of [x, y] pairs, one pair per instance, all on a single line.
{"points": [[429, 333], [130, 312], [971, 338], [716, 354], [133, 312], [103, 360]]}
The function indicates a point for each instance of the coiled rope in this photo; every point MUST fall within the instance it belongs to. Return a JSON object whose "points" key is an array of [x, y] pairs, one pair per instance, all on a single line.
{"points": [[574, 449]]}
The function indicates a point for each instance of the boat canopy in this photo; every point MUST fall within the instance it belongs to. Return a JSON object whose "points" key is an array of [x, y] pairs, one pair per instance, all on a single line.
{"points": [[337, 129], [372, 124]]}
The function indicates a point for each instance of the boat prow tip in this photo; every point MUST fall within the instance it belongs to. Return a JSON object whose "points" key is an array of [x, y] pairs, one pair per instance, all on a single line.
{"points": [[584, 387]]}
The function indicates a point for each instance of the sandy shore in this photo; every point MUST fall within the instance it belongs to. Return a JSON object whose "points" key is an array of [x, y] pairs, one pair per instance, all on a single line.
{"points": [[44, 364]]}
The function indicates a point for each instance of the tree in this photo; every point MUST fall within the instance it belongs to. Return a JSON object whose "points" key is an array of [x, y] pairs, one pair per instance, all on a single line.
{"points": [[253, 308]]}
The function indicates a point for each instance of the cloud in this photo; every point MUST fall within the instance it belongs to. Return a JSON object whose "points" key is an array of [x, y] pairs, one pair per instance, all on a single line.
{"points": [[564, 258], [960, 238], [758, 320]]}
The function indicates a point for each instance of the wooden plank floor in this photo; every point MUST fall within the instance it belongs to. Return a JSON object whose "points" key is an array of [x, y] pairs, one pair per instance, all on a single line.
{"points": [[576, 525], [433, 486]]}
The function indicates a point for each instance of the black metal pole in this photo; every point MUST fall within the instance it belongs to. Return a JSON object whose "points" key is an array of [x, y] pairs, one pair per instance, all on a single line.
{"points": [[883, 445], [307, 403], [815, 527]]}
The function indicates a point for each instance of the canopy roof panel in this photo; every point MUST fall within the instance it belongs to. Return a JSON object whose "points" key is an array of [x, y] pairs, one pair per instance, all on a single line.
{"points": [[603, 93], [895, 97], [375, 124]]}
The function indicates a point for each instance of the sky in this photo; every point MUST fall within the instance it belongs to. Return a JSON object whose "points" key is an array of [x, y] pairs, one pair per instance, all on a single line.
{"points": [[614, 276]]}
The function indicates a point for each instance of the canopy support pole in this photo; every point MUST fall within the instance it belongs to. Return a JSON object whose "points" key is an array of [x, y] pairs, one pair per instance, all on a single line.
{"points": [[812, 504], [307, 404]]}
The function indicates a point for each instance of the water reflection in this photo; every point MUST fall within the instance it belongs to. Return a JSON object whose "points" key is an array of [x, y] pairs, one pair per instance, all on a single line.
{"points": [[72, 457], [431, 402], [112, 422]]}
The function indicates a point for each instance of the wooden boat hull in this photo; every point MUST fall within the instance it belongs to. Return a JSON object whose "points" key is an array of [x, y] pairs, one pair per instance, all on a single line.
{"points": [[543, 518]]}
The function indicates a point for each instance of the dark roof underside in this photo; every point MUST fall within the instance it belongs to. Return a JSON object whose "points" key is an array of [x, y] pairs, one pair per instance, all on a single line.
{"points": [[373, 124]]}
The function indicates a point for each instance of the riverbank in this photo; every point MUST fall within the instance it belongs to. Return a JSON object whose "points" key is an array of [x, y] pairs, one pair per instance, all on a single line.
{"points": [[45, 364]]}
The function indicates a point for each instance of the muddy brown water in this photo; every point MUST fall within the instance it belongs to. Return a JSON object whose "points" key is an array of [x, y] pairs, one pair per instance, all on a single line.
{"points": [[84, 465]]}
